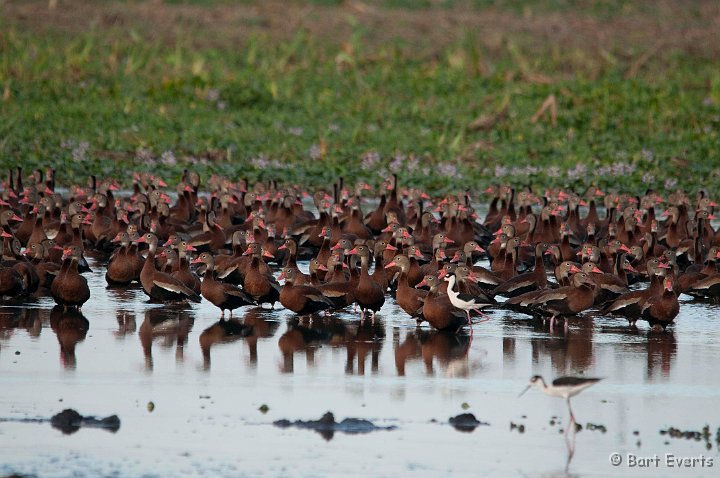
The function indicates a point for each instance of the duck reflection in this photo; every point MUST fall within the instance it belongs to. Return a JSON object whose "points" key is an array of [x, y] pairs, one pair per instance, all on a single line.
{"points": [[306, 334], [222, 331], [70, 327], [126, 323], [363, 339], [12, 318], [170, 323], [448, 349], [262, 325], [661, 353], [569, 350]]}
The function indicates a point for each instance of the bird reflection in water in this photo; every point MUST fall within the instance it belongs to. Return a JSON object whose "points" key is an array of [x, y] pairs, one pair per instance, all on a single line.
{"points": [[12, 318], [172, 324], [256, 324], [126, 323], [570, 349], [307, 334], [70, 327], [363, 339], [448, 349], [263, 324], [661, 353], [222, 331]]}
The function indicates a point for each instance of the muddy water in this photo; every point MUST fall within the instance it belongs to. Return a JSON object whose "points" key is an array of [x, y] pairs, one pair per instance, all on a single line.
{"points": [[206, 389]]}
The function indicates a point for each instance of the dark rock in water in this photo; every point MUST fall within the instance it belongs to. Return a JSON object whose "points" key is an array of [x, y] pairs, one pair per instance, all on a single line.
{"points": [[69, 421], [327, 426], [466, 422]]}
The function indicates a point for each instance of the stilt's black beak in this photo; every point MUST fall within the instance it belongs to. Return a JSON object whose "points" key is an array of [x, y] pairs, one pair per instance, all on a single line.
{"points": [[526, 389]]}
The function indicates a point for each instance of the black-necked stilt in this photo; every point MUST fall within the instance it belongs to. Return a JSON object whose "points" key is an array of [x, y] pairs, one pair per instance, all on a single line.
{"points": [[466, 302], [564, 387]]}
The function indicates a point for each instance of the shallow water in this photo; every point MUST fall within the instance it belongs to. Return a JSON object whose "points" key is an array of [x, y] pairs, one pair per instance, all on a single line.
{"points": [[206, 391]]}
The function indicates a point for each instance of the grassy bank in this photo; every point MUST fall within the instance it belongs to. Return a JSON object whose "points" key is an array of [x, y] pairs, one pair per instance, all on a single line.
{"points": [[306, 106]]}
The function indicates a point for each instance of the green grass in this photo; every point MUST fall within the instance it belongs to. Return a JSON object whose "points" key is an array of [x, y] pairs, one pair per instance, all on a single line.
{"points": [[300, 110]]}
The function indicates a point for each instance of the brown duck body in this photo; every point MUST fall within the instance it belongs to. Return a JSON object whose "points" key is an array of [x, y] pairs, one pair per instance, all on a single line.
{"points": [[302, 299], [222, 295], [69, 288], [262, 287], [369, 295], [567, 301], [661, 310], [159, 285], [438, 310]]}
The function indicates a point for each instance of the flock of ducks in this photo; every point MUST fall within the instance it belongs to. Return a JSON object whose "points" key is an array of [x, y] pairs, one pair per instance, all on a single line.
{"points": [[420, 250]]}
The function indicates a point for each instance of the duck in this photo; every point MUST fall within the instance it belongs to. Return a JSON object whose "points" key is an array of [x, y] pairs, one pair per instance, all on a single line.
{"points": [[259, 284], [158, 285], [661, 310], [438, 310], [222, 295], [528, 281], [301, 299], [407, 296], [566, 301], [369, 295], [123, 267], [630, 304], [69, 288]]}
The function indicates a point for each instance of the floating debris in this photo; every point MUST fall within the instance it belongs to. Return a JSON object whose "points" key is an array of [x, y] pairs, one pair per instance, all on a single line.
{"points": [[150, 406], [466, 422], [264, 408], [69, 421], [593, 426], [519, 427], [327, 426]]}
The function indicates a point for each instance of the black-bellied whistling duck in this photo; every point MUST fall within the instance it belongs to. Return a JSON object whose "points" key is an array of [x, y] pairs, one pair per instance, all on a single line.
{"points": [[660, 310], [369, 295], [414, 273], [354, 224], [485, 278], [159, 285], [524, 303], [11, 282], [301, 299], [12, 257], [45, 269], [509, 267], [38, 233], [260, 284], [566, 301], [708, 287], [222, 295], [687, 279], [379, 275], [123, 267], [337, 266], [69, 288], [212, 239], [324, 253], [529, 281], [630, 304], [407, 296], [290, 246], [438, 310], [496, 252]]}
